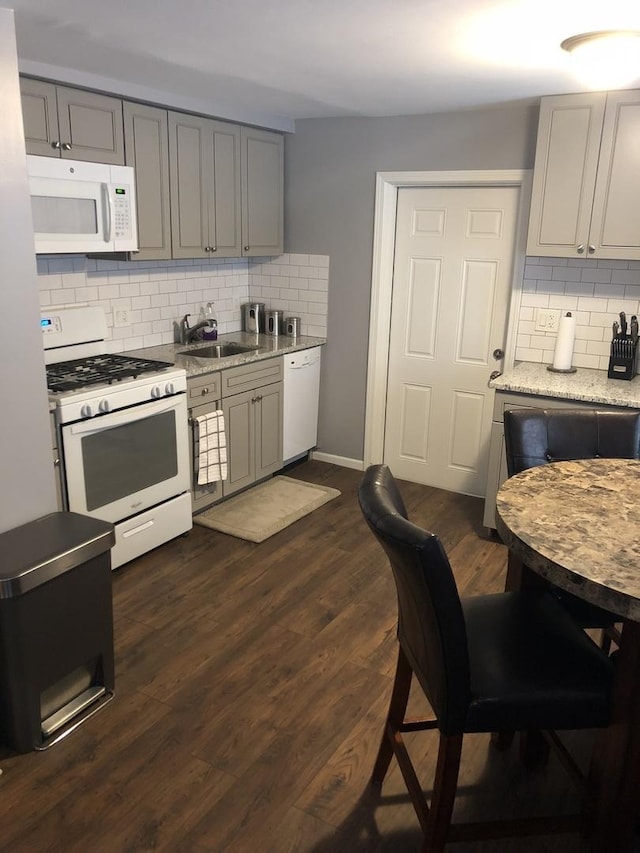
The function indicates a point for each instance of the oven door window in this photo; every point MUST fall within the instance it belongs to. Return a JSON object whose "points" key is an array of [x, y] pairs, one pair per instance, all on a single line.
{"points": [[124, 460]]}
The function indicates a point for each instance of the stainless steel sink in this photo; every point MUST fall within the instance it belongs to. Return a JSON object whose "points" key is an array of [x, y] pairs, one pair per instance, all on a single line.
{"points": [[219, 350]]}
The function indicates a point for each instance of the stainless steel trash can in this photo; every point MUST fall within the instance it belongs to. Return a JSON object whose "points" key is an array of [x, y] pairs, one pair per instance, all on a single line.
{"points": [[56, 627]]}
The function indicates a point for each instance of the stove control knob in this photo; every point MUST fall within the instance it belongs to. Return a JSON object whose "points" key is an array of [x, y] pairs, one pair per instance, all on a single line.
{"points": [[169, 388], [156, 393], [103, 406], [86, 411]]}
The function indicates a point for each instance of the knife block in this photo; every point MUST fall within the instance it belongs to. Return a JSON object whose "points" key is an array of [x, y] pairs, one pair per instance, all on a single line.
{"points": [[623, 358]]}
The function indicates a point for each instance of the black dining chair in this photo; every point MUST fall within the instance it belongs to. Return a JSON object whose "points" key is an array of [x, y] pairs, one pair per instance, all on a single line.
{"points": [[535, 436], [506, 661]]}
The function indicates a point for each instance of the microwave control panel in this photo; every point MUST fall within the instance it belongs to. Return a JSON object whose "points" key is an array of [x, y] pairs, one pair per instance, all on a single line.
{"points": [[122, 211]]}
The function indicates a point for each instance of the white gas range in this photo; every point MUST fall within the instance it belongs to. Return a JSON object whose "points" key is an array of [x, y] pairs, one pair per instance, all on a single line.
{"points": [[122, 430]]}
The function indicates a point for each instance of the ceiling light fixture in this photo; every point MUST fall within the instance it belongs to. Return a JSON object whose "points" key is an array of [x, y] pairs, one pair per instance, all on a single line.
{"points": [[605, 59]]}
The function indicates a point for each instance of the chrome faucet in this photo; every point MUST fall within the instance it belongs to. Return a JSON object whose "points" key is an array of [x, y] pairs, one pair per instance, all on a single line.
{"points": [[192, 331], [184, 329], [189, 334]]}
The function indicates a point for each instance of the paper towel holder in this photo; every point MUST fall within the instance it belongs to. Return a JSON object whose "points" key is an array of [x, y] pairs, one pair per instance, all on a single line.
{"points": [[570, 369]]}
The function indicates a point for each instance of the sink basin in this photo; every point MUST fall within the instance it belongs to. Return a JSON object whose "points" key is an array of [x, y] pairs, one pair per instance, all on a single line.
{"points": [[219, 350]]}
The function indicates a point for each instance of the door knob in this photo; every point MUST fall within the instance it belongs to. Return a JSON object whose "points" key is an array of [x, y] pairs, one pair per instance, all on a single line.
{"points": [[494, 375], [498, 354]]}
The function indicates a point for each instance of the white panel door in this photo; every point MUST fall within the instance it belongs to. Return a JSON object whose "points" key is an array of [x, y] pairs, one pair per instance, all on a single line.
{"points": [[451, 286]]}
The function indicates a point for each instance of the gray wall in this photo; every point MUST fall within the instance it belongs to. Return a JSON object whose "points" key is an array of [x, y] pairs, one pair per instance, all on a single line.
{"points": [[330, 171], [28, 489]]}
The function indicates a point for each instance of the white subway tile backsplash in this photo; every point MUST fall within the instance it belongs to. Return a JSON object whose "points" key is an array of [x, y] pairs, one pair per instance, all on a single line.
{"points": [[158, 293], [630, 276], [596, 274], [603, 290], [535, 300], [568, 274]]}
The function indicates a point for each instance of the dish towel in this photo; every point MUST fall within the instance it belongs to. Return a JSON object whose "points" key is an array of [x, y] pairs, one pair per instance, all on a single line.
{"points": [[211, 451]]}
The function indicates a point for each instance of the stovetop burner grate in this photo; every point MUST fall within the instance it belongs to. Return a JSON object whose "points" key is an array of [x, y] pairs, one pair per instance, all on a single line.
{"points": [[98, 369]]}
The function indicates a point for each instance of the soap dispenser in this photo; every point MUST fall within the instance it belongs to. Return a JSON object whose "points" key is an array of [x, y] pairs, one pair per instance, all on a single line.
{"points": [[210, 331]]}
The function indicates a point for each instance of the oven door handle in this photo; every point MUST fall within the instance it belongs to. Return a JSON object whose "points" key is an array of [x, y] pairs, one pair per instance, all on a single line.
{"points": [[126, 416]]}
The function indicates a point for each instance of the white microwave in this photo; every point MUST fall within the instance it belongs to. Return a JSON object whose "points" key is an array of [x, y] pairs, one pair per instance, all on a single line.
{"points": [[82, 207]]}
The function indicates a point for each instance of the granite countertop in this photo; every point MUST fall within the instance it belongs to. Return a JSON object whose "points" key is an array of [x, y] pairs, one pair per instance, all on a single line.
{"points": [[576, 523], [591, 386], [269, 346]]}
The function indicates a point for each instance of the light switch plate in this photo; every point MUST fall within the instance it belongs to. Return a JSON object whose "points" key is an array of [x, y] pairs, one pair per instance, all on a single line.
{"points": [[547, 319]]}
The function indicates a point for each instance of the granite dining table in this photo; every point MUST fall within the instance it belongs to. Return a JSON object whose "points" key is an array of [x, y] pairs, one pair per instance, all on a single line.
{"points": [[577, 525]]}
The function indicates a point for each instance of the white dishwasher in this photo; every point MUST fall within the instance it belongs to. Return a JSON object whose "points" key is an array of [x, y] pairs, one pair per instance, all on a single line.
{"points": [[301, 392]]}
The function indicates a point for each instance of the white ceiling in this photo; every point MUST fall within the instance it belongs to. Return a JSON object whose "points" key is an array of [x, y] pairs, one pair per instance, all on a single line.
{"points": [[273, 61]]}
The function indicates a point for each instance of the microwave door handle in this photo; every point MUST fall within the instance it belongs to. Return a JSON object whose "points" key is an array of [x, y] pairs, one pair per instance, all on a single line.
{"points": [[108, 217]]}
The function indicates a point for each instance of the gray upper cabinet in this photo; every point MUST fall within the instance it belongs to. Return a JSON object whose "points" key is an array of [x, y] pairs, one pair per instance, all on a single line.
{"points": [[262, 192], [586, 178], [72, 123], [146, 149], [205, 187]]}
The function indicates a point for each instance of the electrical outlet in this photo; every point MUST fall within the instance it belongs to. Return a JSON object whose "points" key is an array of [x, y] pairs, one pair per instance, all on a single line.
{"points": [[121, 317], [547, 319]]}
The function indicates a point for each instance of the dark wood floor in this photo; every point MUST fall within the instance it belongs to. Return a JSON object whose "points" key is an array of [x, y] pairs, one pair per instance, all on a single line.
{"points": [[251, 686]]}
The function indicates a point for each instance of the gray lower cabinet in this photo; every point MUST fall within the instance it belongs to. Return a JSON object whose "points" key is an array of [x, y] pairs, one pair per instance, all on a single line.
{"points": [[204, 170], [203, 397], [146, 149], [60, 121], [497, 470], [252, 402]]}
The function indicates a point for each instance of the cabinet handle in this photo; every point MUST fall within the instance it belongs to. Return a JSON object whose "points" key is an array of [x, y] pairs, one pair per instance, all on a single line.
{"points": [[246, 248], [580, 249], [592, 249], [55, 145], [214, 249], [204, 391], [66, 146], [207, 249]]}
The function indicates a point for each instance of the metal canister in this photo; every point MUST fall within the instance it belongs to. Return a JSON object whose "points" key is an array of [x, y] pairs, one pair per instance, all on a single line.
{"points": [[253, 317], [274, 322], [292, 326]]}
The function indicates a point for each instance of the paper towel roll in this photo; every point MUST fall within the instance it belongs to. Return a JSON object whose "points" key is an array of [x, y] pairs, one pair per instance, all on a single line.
{"points": [[563, 353]]}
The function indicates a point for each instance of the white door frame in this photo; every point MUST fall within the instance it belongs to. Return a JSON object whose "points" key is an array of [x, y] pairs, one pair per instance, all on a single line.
{"points": [[387, 185]]}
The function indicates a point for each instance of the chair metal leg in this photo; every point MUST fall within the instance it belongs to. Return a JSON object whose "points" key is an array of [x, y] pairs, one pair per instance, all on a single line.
{"points": [[395, 716]]}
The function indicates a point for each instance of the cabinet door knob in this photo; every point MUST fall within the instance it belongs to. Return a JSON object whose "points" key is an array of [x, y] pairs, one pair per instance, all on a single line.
{"points": [[246, 248], [580, 249], [214, 249], [66, 146], [207, 249], [55, 145], [592, 249], [205, 391]]}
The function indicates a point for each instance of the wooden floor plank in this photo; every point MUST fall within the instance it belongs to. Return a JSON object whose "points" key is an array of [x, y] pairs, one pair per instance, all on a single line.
{"points": [[252, 682]]}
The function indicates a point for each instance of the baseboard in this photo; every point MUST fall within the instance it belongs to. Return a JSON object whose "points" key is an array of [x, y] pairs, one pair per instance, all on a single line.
{"points": [[343, 461]]}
